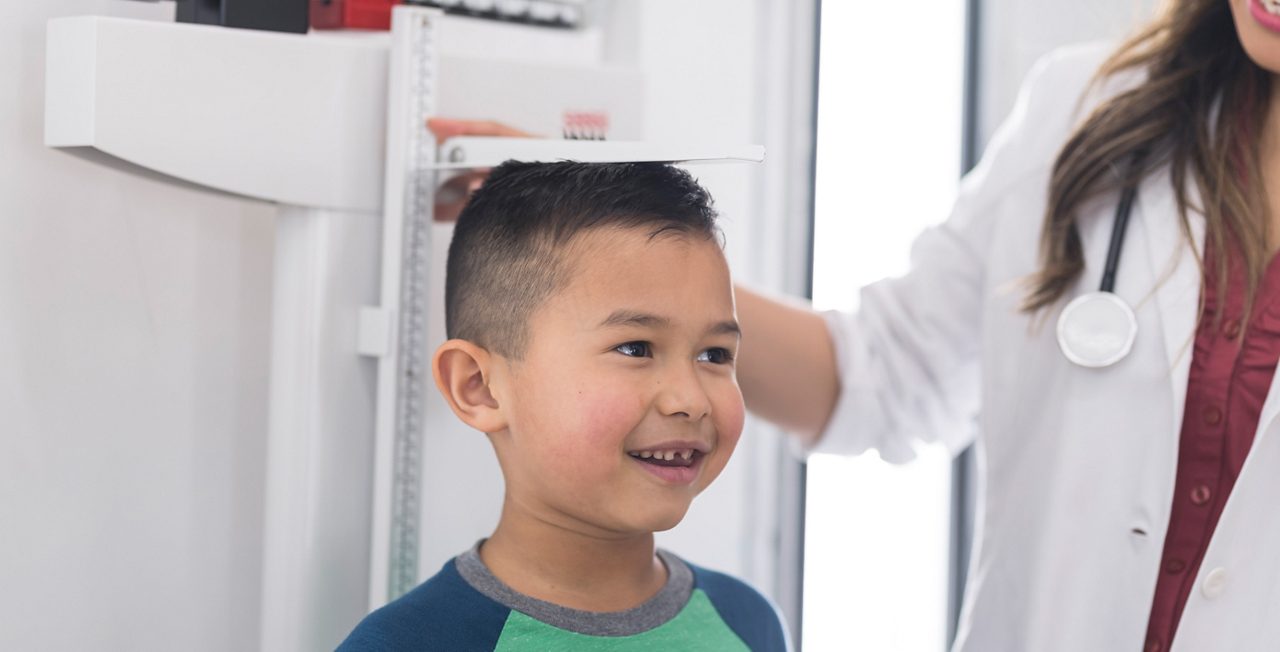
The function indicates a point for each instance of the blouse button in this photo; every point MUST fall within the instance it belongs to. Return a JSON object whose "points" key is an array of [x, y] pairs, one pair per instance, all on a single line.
{"points": [[1153, 645], [1200, 494], [1175, 566], [1213, 415], [1231, 329]]}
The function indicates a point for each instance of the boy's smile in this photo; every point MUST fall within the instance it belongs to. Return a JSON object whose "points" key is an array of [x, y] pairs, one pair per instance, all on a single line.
{"points": [[677, 462], [624, 404]]}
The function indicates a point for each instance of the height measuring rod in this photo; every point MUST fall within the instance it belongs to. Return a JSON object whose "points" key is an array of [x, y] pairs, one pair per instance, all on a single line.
{"points": [[397, 331]]}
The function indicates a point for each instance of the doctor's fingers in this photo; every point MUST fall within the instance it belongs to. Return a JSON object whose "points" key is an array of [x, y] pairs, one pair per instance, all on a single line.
{"points": [[444, 128]]}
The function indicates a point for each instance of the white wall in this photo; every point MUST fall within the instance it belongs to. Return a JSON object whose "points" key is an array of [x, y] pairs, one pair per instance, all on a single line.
{"points": [[1014, 33], [134, 322]]}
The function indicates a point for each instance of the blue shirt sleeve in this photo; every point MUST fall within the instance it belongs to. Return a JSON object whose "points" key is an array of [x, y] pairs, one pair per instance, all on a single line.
{"points": [[748, 613], [444, 613]]}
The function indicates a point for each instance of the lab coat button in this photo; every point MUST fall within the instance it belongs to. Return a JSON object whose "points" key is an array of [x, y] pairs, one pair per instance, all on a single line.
{"points": [[1215, 583], [1200, 494]]}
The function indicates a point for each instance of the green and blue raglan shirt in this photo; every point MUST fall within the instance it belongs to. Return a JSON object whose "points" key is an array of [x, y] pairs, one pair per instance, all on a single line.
{"points": [[464, 608]]}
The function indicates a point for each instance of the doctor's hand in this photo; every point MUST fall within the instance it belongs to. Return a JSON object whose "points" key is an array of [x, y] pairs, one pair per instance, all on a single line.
{"points": [[452, 196]]}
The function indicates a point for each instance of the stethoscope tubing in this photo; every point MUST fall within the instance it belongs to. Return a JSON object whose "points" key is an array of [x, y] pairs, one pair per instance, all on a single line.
{"points": [[1118, 229]]}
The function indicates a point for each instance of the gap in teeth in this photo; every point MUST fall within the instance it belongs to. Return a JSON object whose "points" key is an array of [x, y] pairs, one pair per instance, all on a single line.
{"points": [[668, 456]]}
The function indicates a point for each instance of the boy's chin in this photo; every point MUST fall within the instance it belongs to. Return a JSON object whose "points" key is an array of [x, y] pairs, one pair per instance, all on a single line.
{"points": [[660, 520]]}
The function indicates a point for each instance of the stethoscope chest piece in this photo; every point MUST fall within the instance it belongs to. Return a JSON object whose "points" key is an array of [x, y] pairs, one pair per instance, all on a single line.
{"points": [[1097, 329]]}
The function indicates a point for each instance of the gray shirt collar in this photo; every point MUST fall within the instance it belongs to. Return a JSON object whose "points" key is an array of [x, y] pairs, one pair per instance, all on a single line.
{"points": [[654, 612]]}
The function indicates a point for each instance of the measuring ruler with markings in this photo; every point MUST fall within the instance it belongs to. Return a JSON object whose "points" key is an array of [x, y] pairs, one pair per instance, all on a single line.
{"points": [[396, 332]]}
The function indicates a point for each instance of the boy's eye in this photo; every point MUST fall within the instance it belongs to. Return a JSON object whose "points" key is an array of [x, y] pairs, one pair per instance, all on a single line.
{"points": [[633, 349], [716, 356]]}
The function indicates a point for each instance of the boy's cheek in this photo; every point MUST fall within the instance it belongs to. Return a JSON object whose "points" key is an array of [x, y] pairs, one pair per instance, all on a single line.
{"points": [[734, 430], [733, 415], [601, 424], [729, 415]]}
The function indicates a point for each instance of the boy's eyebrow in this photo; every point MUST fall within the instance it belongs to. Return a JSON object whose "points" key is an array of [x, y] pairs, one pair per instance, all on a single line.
{"points": [[646, 320], [727, 328], [633, 318]]}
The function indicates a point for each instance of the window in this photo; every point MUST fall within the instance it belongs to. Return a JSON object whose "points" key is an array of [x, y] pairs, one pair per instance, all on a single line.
{"points": [[890, 95]]}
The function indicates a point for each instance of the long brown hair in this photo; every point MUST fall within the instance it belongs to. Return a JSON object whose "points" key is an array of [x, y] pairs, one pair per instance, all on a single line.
{"points": [[1194, 64]]}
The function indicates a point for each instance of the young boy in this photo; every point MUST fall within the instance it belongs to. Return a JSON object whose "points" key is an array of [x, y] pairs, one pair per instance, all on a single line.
{"points": [[593, 335]]}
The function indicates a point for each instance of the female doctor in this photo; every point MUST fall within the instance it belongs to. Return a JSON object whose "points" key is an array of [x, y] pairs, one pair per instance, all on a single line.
{"points": [[1105, 300]]}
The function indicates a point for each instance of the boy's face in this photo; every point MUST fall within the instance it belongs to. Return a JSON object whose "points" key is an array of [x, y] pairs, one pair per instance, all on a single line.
{"points": [[625, 404]]}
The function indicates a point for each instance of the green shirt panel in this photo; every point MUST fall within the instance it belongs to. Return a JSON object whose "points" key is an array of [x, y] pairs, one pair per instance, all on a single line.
{"points": [[696, 628]]}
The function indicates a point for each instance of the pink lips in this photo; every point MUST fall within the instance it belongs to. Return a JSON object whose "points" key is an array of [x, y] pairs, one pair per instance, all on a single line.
{"points": [[676, 475], [1264, 17]]}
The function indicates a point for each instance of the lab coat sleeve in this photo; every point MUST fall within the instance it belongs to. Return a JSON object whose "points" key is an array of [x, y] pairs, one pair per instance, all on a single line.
{"points": [[908, 357]]}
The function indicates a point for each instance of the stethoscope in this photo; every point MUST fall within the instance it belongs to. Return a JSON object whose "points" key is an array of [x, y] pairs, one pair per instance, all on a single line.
{"points": [[1098, 329]]}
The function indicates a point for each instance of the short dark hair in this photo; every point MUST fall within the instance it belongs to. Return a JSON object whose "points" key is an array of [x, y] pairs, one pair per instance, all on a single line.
{"points": [[505, 258]]}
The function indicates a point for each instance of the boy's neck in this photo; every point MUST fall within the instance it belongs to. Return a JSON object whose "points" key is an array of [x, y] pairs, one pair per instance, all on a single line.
{"points": [[571, 569]]}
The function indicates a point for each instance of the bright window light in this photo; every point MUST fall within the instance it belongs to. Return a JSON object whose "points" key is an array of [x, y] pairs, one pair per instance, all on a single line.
{"points": [[888, 161]]}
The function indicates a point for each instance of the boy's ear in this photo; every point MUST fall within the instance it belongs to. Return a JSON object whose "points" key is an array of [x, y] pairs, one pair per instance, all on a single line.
{"points": [[462, 373]]}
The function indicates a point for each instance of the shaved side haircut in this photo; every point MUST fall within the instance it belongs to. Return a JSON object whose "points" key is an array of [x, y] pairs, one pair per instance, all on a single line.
{"points": [[507, 255]]}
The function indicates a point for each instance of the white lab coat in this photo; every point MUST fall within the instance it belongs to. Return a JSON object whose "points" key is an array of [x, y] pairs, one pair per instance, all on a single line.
{"points": [[1077, 465]]}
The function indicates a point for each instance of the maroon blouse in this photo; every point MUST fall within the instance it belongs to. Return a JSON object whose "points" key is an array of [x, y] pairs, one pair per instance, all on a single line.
{"points": [[1230, 377]]}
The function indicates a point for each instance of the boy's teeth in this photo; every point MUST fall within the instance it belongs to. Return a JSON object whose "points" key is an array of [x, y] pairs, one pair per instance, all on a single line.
{"points": [[1272, 6], [686, 454]]}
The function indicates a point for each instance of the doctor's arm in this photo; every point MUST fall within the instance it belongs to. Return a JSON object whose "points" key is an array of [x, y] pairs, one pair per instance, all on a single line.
{"points": [[787, 364]]}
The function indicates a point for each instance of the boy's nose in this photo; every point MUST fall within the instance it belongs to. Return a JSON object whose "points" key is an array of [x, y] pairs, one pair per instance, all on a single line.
{"points": [[682, 395]]}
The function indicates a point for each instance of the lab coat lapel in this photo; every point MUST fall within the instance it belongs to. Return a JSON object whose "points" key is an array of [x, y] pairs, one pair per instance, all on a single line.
{"points": [[1176, 277], [1270, 412]]}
